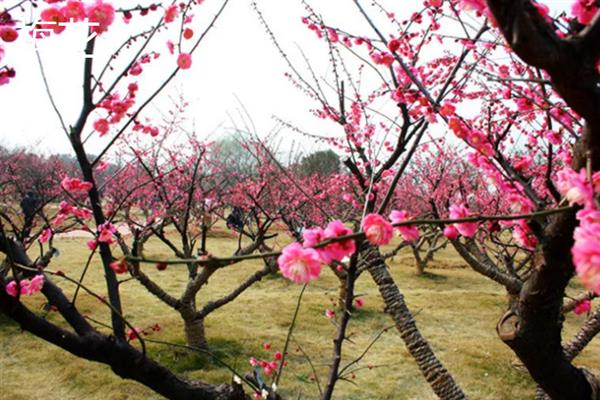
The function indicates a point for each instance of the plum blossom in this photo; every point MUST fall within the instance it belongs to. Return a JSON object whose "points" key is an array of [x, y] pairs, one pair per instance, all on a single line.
{"points": [[584, 10], [106, 232], [171, 13], [523, 235], [25, 286], [8, 34], [134, 333], [450, 232], [410, 233], [377, 229], [586, 250], [54, 19], [184, 61], [75, 185], [119, 266], [574, 186], [329, 313], [101, 126], [334, 251], [101, 13], [299, 264], [582, 307], [466, 229], [359, 303], [45, 236]]}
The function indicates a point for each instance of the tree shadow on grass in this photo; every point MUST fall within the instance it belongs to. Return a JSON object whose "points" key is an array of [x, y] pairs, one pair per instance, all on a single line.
{"points": [[180, 360], [433, 277]]}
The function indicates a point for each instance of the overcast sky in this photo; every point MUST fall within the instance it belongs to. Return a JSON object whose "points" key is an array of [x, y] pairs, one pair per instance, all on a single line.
{"points": [[236, 61]]}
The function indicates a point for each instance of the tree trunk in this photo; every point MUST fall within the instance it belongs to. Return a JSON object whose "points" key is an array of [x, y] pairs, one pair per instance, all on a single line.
{"points": [[195, 336], [421, 265], [435, 373]]}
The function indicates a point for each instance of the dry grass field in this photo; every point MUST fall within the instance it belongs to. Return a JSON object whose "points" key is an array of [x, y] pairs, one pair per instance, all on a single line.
{"points": [[456, 309]]}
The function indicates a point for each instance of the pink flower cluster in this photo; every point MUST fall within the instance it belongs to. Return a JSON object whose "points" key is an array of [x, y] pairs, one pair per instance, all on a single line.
{"points": [[377, 229], [45, 236], [474, 137], [106, 232], [65, 209], [410, 233], [301, 264], [119, 266], [116, 107], [100, 13], [268, 367], [586, 250], [75, 185], [137, 332], [467, 229], [575, 187], [334, 251], [25, 287], [582, 307], [584, 10]]}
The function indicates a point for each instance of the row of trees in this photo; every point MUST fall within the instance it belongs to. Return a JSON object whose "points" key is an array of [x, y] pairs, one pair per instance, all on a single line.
{"points": [[510, 184]]}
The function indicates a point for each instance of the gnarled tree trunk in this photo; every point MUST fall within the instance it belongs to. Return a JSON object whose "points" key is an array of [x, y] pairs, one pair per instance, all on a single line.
{"points": [[438, 377]]}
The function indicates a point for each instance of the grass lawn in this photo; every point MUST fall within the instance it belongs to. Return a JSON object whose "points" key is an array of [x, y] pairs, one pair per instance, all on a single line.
{"points": [[456, 310]]}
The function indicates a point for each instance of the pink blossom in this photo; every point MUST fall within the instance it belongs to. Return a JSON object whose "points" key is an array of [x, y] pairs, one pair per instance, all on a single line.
{"points": [[171, 47], [359, 303], [102, 166], [134, 333], [54, 19], [101, 126], [586, 250], [106, 232], [36, 284], [101, 13], [184, 61], [278, 356], [75, 185], [329, 314], [82, 213], [584, 10], [27, 287], [119, 266], [253, 361], [450, 232], [574, 186], [410, 233], [267, 346], [479, 6], [45, 236], [8, 33], [393, 45], [92, 244], [299, 264], [466, 229], [136, 69], [11, 289], [582, 307], [74, 10], [171, 13], [523, 235], [334, 251], [377, 230]]}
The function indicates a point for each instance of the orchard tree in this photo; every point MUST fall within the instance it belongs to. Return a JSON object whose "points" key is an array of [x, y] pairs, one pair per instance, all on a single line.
{"points": [[528, 129]]}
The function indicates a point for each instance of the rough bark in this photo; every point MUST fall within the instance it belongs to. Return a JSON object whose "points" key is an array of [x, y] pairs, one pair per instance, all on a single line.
{"points": [[438, 377], [195, 336], [533, 327]]}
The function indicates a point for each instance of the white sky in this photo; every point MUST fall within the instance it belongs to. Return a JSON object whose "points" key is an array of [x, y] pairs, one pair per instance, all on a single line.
{"points": [[236, 59]]}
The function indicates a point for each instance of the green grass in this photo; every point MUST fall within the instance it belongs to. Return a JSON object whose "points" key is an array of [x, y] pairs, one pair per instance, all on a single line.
{"points": [[456, 309]]}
